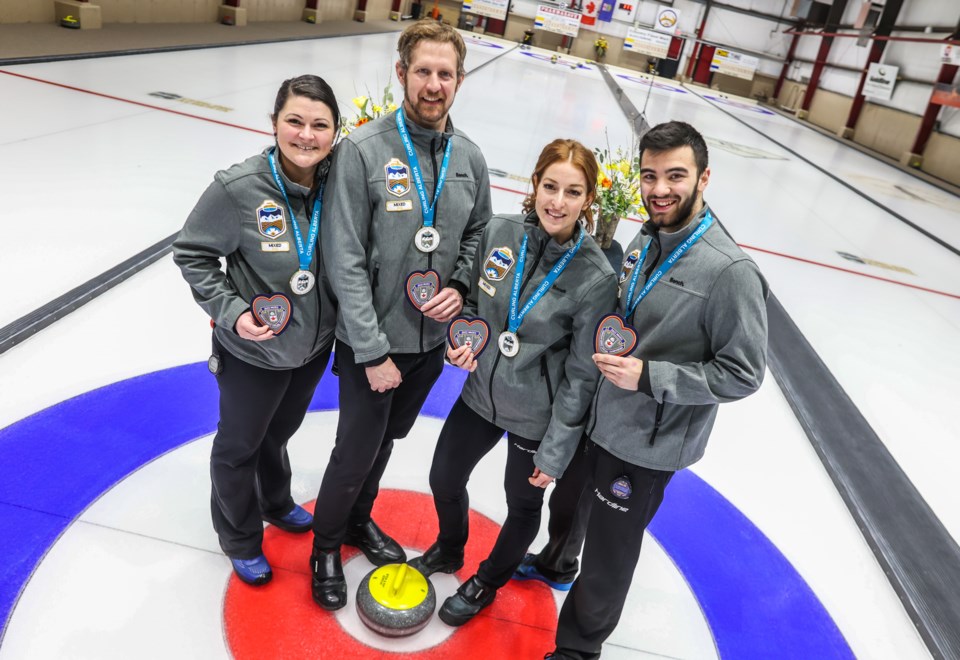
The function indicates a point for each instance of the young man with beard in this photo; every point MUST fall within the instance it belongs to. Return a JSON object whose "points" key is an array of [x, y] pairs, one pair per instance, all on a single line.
{"points": [[697, 303], [409, 194]]}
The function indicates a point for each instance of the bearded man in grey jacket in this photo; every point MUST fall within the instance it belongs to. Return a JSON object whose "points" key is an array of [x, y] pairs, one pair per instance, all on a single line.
{"points": [[410, 196], [697, 303]]}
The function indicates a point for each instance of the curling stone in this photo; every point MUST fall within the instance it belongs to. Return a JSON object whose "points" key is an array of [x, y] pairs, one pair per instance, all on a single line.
{"points": [[396, 600]]}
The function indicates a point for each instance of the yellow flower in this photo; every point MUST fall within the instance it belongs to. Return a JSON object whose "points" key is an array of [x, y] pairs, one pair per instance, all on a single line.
{"points": [[624, 167], [391, 107], [377, 109], [360, 101]]}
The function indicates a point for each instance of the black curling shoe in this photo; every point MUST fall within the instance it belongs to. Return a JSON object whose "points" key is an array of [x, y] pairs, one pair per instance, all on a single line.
{"points": [[378, 548], [471, 597], [434, 561], [329, 588]]}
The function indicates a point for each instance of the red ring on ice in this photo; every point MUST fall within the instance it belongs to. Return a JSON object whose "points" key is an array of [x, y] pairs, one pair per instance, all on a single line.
{"points": [[280, 620]]}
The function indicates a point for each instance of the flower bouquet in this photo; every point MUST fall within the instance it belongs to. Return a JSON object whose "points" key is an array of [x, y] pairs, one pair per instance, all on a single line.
{"points": [[369, 110], [618, 191], [600, 47]]}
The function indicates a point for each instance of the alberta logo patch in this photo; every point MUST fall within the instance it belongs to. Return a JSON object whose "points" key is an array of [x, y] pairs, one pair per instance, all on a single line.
{"points": [[398, 177], [498, 263], [270, 219]]}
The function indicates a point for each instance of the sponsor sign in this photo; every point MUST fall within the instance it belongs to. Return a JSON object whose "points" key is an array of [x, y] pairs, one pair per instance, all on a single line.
{"points": [[647, 42], [491, 8], [950, 54], [668, 20], [559, 21], [734, 64], [881, 79]]}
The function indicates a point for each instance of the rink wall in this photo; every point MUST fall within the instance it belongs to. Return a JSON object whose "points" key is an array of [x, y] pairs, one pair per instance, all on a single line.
{"points": [[176, 11], [883, 129]]}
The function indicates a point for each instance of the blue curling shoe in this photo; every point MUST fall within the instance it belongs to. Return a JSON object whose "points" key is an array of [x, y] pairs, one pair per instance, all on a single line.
{"points": [[527, 570], [297, 521], [254, 571]]}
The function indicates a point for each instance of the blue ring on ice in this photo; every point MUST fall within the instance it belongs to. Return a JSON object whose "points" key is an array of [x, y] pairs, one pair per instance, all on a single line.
{"points": [[59, 461]]}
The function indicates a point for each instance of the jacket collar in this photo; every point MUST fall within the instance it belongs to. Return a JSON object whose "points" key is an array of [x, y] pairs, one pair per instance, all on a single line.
{"points": [[427, 136], [294, 188], [670, 241], [539, 238]]}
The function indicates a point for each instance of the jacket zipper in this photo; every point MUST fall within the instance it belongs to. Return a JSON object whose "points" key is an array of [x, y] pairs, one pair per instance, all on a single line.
{"points": [[319, 281], [546, 374], [656, 423], [496, 360], [433, 158]]}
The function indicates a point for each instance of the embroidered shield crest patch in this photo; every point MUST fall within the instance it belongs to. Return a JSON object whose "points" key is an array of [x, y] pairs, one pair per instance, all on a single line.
{"points": [[270, 219], [498, 263], [628, 265], [398, 177]]}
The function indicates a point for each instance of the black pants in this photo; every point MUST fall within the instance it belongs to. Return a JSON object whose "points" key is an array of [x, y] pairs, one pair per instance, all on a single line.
{"points": [[569, 506], [610, 554], [260, 409], [369, 423], [465, 439]]}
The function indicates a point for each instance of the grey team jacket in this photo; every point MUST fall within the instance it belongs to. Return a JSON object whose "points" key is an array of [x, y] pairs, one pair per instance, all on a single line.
{"points": [[242, 216], [702, 334], [544, 392], [368, 232]]}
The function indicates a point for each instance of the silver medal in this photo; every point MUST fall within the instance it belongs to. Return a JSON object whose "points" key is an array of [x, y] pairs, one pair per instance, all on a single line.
{"points": [[509, 343], [427, 239], [302, 282]]}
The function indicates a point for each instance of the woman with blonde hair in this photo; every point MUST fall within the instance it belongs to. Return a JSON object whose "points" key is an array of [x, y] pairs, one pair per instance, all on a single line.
{"points": [[541, 284]]}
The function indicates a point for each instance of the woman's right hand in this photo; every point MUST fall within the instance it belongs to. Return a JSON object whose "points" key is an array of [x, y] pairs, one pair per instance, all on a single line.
{"points": [[462, 357], [247, 328]]}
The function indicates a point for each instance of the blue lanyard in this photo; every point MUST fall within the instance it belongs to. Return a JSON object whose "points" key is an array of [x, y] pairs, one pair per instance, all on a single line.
{"points": [[516, 318], [428, 211], [631, 304], [305, 256]]}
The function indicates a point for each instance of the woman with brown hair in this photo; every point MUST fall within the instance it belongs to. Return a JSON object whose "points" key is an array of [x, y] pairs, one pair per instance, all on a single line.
{"points": [[541, 284]]}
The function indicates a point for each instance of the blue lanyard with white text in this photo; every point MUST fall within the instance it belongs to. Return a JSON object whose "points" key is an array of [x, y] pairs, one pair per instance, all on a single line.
{"points": [[631, 304], [428, 211], [305, 256], [516, 318]]}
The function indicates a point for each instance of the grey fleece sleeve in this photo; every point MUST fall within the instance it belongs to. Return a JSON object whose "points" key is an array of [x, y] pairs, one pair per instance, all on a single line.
{"points": [[479, 216], [579, 384], [211, 231], [735, 318], [345, 234]]}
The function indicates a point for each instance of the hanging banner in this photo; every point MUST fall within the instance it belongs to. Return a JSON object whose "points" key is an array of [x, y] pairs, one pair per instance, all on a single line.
{"points": [[944, 94], [625, 10], [590, 10], [881, 79], [491, 8], [559, 21], [606, 11], [647, 42], [668, 20], [950, 54], [734, 64]]}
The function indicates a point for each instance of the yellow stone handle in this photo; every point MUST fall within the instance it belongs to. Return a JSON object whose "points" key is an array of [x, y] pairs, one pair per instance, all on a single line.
{"points": [[398, 579]]}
